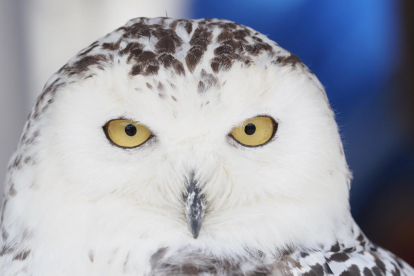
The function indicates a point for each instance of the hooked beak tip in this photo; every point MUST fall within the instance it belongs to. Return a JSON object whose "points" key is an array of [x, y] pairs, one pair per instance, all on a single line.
{"points": [[196, 231]]}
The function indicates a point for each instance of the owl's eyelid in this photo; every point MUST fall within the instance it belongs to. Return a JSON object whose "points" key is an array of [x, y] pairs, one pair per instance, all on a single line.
{"points": [[248, 146], [128, 119], [260, 115], [123, 118]]}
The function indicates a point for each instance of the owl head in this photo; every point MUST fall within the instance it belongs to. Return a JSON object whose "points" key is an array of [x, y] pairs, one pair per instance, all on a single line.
{"points": [[203, 131]]}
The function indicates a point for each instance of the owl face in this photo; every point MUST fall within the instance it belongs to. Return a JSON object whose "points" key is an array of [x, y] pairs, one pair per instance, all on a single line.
{"points": [[221, 147]]}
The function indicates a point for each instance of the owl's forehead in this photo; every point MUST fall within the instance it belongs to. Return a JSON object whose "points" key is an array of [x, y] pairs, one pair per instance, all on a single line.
{"points": [[146, 46], [160, 54]]}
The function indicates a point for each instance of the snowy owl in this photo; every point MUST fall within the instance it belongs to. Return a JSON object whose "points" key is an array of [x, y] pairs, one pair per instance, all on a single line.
{"points": [[183, 147]]}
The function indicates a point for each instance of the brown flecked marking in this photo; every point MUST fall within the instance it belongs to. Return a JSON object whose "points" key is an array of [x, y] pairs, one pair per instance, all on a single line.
{"points": [[91, 256], [89, 49], [315, 270], [168, 40], [126, 261], [33, 138], [380, 264], [335, 248], [193, 57], [210, 79], [258, 48], [201, 87], [199, 41], [7, 249], [132, 48], [22, 255], [225, 35], [5, 201], [186, 24], [352, 271], [146, 57], [178, 67], [367, 272], [111, 46], [84, 64], [160, 87], [12, 191], [220, 63], [339, 257], [137, 30], [223, 50], [174, 98], [17, 162], [149, 85], [289, 60], [4, 234], [167, 60], [241, 35]]}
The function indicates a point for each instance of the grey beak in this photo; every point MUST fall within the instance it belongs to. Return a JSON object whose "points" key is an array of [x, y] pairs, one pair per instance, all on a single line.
{"points": [[195, 206]]}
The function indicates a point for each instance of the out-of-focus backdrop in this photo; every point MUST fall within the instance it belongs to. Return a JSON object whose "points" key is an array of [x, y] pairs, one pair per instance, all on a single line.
{"points": [[362, 51]]}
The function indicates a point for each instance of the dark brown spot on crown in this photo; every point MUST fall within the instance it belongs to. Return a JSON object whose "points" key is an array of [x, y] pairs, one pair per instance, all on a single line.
{"points": [[188, 27], [133, 47], [241, 35], [137, 30], [111, 46], [166, 60], [146, 57], [186, 24], [289, 60], [225, 35], [193, 57], [258, 48], [85, 64], [178, 67], [224, 50], [89, 49], [199, 42], [165, 44], [220, 63]]}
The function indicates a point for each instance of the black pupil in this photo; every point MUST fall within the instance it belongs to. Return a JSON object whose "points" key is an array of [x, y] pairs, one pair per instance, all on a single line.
{"points": [[130, 130], [250, 129]]}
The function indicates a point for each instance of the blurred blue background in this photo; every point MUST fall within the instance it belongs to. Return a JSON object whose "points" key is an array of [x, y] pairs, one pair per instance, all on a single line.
{"points": [[362, 52], [358, 50]]}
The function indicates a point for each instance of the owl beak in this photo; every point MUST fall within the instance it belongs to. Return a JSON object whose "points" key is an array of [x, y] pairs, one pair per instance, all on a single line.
{"points": [[195, 206]]}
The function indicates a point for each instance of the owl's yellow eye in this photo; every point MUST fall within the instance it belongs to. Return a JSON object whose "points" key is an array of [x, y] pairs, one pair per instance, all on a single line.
{"points": [[254, 132], [126, 133]]}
